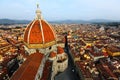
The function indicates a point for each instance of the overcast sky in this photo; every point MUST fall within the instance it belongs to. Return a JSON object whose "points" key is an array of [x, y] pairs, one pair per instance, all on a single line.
{"points": [[61, 9]]}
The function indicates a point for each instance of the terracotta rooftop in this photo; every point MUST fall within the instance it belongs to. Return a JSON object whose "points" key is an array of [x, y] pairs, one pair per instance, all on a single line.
{"points": [[88, 46], [104, 69], [3, 73], [113, 64], [105, 54], [52, 54], [47, 71], [29, 68], [85, 72], [113, 48], [60, 50]]}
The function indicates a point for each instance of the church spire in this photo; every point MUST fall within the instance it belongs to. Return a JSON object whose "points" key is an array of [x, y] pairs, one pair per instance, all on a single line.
{"points": [[38, 12]]}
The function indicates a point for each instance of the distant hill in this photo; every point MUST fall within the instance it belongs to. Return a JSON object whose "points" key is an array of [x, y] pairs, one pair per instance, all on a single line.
{"points": [[85, 21], [10, 21], [69, 21]]}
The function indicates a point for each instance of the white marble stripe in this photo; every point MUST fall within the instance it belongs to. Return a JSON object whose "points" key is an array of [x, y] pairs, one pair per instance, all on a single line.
{"points": [[30, 31], [42, 31]]}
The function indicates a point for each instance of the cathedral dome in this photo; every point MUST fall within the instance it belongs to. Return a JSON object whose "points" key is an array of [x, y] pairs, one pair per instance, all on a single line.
{"points": [[39, 34]]}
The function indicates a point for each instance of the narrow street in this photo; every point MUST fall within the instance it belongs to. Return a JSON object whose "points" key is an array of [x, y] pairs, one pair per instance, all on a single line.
{"points": [[69, 73]]}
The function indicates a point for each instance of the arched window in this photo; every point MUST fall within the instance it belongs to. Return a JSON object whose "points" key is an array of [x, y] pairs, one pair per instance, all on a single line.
{"points": [[50, 48]]}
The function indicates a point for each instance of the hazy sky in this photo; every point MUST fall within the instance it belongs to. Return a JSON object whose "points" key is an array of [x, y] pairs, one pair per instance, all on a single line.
{"points": [[61, 9]]}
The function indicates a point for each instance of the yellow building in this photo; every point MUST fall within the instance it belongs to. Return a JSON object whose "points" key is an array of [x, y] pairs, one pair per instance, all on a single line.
{"points": [[113, 51]]}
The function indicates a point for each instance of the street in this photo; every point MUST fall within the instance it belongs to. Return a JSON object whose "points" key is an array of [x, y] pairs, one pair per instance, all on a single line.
{"points": [[69, 73]]}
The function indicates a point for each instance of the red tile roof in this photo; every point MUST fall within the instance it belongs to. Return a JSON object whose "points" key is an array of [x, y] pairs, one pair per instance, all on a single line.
{"points": [[104, 69], [52, 54], [29, 68], [105, 54], [47, 71], [113, 48], [82, 67], [60, 50]]}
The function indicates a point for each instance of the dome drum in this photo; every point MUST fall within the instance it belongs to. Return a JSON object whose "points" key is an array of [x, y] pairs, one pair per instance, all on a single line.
{"points": [[45, 45]]}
